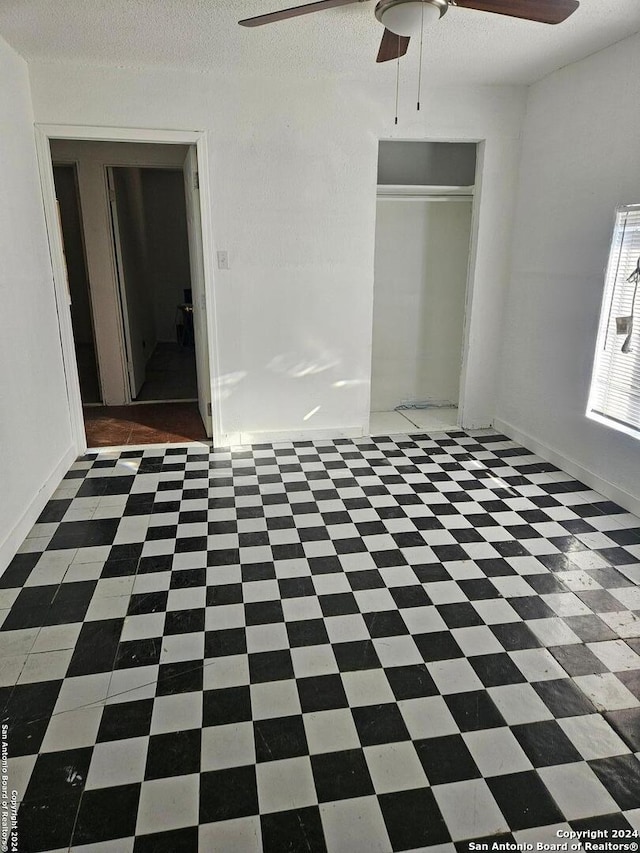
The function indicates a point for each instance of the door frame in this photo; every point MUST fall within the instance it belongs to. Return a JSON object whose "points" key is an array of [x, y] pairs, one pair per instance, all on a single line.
{"points": [[43, 134]]}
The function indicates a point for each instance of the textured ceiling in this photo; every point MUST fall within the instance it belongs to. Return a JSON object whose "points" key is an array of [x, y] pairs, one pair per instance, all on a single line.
{"points": [[464, 47]]}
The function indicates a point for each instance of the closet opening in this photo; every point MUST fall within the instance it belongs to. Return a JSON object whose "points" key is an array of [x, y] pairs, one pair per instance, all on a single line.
{"points": [[423, 232]]}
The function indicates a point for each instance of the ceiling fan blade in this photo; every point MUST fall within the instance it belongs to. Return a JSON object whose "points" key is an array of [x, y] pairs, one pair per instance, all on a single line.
{"points": [[283, 14], [544, 11], [392, 46]]}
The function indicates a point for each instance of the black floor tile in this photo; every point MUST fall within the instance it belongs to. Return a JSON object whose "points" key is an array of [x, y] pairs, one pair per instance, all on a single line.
{"points": [[474, 710], [107, 813], [18, 570], [184, 621], [279, 738], [388, 623], [85, 534], [125, 720], [307, 632], [426, 827], [270, 666], [172, 841], [228, 794], [524, 800], [515, 636], [563, 698], [411, 682], [545, 743], [379, 724], [297, 830], [96, 647], [460, 615], [227, 641], [341, 775], [356, 655], [620, 775], [172, 751], [577, 660], [321, 693], [604, 824], [446, 759], [48, 824], [439, 645], [496, 669], [181, 677], [58, 773], [627, 725]]}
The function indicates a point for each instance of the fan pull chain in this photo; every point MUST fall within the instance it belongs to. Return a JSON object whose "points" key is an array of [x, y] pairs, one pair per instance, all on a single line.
{"points": [[420, 63], [397, 79]]}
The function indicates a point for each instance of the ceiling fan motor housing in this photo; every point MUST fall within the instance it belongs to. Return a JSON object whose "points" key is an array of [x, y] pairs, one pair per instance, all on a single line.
{"points": [[405, 17]]}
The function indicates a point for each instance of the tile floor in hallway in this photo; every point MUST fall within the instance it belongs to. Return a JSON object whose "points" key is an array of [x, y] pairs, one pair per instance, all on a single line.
{"points": [[385, 644]]}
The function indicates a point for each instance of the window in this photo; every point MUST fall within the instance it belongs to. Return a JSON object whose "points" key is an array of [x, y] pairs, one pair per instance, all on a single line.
{"points": [[615, 384]]}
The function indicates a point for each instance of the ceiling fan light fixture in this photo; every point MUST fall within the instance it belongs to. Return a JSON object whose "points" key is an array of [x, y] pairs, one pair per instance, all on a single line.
{"points": [[405, 17]]}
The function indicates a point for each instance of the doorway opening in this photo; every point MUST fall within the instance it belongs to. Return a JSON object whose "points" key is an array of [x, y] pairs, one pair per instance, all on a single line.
{"points": [[129, 215], [422, 246]]}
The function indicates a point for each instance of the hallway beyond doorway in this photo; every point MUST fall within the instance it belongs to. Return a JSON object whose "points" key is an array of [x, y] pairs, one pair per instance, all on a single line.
{"points": [[170, 374]]}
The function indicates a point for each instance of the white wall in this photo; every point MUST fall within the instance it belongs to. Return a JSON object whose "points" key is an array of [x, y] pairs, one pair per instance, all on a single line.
{"points": [[580, 159], [35, 431], [422, 253], [294, 199]]}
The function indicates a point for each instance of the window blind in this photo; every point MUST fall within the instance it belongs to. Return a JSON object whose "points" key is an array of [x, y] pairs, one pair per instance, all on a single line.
{"points": [[615, 384]]}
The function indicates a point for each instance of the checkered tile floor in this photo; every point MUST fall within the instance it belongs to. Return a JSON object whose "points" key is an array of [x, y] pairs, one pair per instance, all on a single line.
{"points": [[372, 645]]}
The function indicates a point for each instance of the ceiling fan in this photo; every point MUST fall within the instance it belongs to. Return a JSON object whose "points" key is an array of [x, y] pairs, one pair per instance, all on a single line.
{"points": [[403, 18]]}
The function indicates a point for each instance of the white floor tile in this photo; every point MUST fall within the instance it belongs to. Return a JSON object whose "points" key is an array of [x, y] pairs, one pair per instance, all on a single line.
{"points": [[355, 825], [482, 818], [167, 804], [606, 692], [285, 785], [592, 736], [242, 835], [176, 713], [72, 729], [395, 767], [427, 717], [274, 699], [496, 752], [331, 731], [577, 790], [519, 703], [227, 746], [117, 762]]}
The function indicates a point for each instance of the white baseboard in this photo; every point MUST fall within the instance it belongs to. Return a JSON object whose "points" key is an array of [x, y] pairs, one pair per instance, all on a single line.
{"points": [[598, 484], [299, 435], [16, 537]]}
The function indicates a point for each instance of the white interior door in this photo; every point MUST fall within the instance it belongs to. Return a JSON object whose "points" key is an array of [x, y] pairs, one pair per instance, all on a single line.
{"points": [[194, 227], [127, 267]]}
